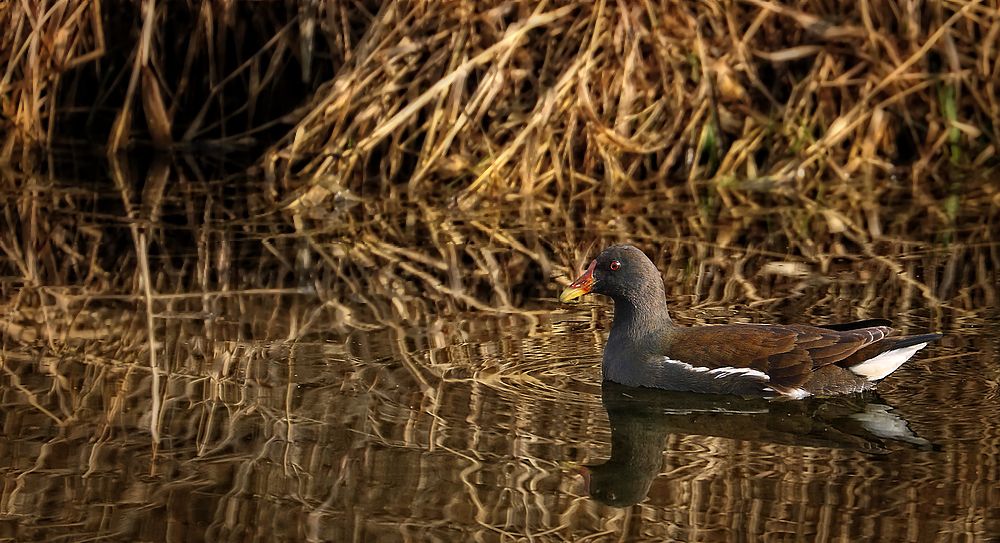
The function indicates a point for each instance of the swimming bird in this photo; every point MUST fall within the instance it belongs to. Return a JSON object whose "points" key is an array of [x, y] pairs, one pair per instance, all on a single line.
{"points": [[646, 349]]}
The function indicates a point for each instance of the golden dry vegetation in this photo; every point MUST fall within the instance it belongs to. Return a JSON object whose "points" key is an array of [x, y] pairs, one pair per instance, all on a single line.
{"points": [[497, 120]]}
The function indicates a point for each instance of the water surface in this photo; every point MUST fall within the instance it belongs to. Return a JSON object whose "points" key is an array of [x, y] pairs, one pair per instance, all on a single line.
{"points": [[318, 383]]}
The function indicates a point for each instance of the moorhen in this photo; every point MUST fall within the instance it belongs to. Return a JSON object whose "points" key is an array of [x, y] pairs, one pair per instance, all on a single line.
{"points": [[645, 348]]}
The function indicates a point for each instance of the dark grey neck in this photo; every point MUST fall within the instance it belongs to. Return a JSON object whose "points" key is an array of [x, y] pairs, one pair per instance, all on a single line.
{"points": [[635, 333], [641, 311]]}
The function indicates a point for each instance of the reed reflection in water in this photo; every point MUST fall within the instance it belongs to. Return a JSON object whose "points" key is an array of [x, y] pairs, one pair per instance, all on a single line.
{"points": [[340, 441], [333, 382]]}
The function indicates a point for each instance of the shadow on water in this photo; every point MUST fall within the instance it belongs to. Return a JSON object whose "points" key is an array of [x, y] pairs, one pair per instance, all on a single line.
{"points": [[181, 362], [641, 419]]}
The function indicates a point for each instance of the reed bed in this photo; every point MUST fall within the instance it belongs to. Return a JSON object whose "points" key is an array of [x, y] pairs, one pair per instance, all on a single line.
{"points": [[501, 114], [550, 101], [733, 105], [470, 99]]}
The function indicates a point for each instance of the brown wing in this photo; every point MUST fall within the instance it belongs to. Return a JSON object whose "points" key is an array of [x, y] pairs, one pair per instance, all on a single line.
{"points": [[787, 354]]}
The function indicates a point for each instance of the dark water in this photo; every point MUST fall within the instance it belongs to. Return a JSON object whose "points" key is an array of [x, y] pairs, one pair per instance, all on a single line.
{"points": [[485, 436], [284, 409]]}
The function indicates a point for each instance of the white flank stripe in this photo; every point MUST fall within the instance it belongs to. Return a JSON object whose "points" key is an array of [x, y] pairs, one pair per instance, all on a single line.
{"points": [[882, 365], [746, 372], [726, 371]]}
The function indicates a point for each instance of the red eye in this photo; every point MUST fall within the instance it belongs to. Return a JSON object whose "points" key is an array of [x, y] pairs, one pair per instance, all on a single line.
{"points": [[615, 265]]}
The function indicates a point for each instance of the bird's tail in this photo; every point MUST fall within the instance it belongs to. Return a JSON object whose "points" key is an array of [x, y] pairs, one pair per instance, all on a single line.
{"points": [[879, 359]]}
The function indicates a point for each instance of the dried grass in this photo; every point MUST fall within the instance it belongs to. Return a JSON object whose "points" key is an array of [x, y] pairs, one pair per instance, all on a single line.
{"points": [[475, 99], [585, 100], [497, 115]]}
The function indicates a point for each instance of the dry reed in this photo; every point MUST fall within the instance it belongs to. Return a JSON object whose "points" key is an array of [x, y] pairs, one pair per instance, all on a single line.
{"points": [[545, 102]]}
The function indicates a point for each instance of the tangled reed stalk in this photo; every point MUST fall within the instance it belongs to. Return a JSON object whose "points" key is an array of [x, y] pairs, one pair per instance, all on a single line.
{"points": [[553, 100]]}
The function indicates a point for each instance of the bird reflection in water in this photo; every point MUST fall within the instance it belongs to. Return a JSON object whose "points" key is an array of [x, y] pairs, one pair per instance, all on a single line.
{"points": [[642, 418]]}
